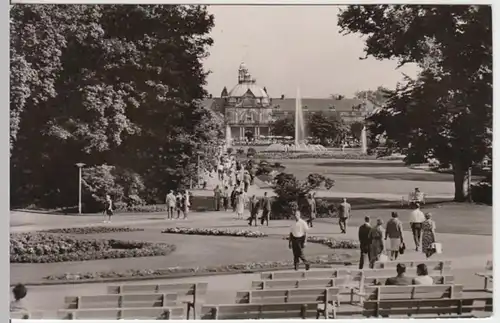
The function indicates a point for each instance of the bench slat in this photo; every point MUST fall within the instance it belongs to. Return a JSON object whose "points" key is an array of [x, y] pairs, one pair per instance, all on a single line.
{"points": [[121, 313], [181, 289]]}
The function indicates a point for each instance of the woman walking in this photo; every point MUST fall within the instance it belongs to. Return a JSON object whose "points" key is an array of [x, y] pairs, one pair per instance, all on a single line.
{"points": [[428, 235], [240, 204], [376, 236], [394, 231], [179, 204], [108, 209]]}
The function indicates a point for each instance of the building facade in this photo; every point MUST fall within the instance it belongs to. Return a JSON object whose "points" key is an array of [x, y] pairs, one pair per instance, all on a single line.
{"points": [[248, 108]]}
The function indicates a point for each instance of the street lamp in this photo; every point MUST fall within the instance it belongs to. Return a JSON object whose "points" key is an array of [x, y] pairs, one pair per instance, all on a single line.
{"points": [[80, 166]]}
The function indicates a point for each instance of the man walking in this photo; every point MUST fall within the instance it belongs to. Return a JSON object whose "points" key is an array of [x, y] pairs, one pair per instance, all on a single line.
{"points": [[170, 200], [311, 208], [254, 210], [297, 241], [217, 198], [417, 217], [344, 215], [364, 242], [266, 209]]}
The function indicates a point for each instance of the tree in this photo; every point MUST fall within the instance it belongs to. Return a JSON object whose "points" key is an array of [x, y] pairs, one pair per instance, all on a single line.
{"points": [[326, 128], [377, 97], [356, 129], [283, 127], [446, 113], [117, 85]]}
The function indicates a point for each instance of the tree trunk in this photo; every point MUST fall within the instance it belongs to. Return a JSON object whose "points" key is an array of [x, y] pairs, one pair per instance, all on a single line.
{"points": [[458, 178]]}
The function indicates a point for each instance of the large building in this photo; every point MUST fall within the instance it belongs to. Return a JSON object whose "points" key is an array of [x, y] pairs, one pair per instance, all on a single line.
{"points": [[249, 108]]}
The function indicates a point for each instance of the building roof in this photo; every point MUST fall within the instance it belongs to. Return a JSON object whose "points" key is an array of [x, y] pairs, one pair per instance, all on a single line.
{"points": [[288, 104], [241, 89]]}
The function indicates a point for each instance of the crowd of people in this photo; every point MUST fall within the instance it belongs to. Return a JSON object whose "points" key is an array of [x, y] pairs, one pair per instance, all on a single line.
{"points": [[376, 241], [177, 203]]}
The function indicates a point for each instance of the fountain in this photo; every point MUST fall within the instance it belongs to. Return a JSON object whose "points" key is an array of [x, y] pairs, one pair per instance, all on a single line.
{"points": [[300, 144]]}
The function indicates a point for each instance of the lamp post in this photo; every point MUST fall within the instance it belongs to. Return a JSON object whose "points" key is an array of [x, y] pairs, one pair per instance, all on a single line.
{"points": [[80, 166]]}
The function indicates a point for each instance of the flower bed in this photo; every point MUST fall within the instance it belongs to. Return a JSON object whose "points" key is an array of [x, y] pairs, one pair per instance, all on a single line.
{"points": [[322, 155], [48, 248], [332, 243], [234, 268], [216, 232], [92, 230]]}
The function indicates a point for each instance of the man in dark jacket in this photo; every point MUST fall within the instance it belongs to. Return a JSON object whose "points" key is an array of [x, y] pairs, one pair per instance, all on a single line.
{"points": [[254, 210], [266, 209], [400, 279], [364, 242]]}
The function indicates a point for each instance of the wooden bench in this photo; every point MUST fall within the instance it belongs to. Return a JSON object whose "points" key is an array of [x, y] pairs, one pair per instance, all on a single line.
{"points": [[196, 291], [166, 313], [377, 293], [487, 275], [326, 299], [438, 266], [120, 301], [412, 198], [434, 307], [299, 283], [259, 311], [23, 315], [319, 273]]}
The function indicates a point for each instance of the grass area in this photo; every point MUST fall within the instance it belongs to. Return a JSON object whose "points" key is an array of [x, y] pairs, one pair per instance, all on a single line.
{"points": [[458, 218]]}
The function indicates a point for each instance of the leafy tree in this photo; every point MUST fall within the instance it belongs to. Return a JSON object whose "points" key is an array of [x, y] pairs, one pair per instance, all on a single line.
{"points": [[117, 85], [283, 127], [446, 113], [291, 193], [326, 128], [377, 97], [356, 128]]}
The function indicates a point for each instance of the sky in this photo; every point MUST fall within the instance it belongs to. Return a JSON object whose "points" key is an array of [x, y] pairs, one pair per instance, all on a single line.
{"points": [[290, 47]]}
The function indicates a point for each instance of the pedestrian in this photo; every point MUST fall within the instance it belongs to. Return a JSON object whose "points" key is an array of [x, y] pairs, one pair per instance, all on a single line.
{"points": [[428, 235], [108, 209], [225, 198], [186, 203], [178, 204], [220, 169], [240, 204], [364, 242], [246, 181], [234, 195], [18, 304], [170, 201], [394, 231], [217, 198], [344, 214], [376, 238], [297, 241], [266, 209], [417, 217], [311, 209], [254, 210]]}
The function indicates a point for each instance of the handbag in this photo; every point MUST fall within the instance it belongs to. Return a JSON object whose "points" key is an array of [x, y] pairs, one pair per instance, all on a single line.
{"points": [[437, 247], [402, 248], [383, 257]]}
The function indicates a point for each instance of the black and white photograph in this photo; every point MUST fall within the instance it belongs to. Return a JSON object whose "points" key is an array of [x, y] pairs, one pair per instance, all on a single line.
{"points": [[237, 161]]}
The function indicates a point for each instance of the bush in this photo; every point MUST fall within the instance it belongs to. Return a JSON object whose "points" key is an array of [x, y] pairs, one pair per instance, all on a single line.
{"points": [[240, 151], [325, 209], [91, 230], [482, 192], [251, 151], [230, 150], [332, 243], [49, 248], [216, 232]]}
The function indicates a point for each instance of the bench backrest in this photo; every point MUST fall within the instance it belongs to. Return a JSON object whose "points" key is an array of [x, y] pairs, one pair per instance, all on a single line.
{"points": [[413, 292], [427, 306], [303, 295], [259, 311], [432, 265], [185, 289], [299, 283], [124, 313], [23, 315], [120, 301], [438, 280], [318, 273]]}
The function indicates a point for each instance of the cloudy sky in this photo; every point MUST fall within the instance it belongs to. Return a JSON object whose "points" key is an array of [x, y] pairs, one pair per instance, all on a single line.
{"points": [[286, 47]]}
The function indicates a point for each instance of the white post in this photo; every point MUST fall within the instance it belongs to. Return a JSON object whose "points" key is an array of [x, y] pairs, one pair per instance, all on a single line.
{"points": [[79, 190]]}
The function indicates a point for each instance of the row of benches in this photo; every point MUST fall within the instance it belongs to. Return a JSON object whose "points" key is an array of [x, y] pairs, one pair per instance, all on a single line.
{"points": [[305, 292]]}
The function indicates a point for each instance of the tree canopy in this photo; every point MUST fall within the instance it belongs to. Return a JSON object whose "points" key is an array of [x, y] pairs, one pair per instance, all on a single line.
{"points": [[446, 113], [106, 84]]}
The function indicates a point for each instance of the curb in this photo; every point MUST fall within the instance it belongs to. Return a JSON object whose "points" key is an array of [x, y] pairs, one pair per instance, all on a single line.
{"points": [[173, 275]]}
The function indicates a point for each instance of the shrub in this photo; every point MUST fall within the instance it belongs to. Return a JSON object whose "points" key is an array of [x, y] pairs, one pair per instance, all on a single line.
{"points": [[251, 151], [91, 230], [332, 243], [325, 209], [230, 150], [49, 248], [216, 232], [240, 151], [482, 192]]}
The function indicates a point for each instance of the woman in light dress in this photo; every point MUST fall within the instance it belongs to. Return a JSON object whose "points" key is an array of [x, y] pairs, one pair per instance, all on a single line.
{"points": [[376, 237], [428, 235], [240, 204]]}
